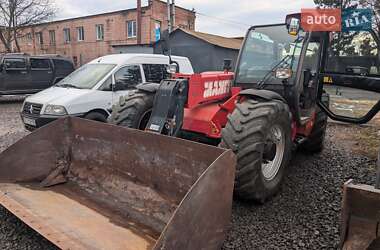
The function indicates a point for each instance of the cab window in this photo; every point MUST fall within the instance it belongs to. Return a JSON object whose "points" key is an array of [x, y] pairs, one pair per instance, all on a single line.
{"points": [[128, 77], [353, 53]]}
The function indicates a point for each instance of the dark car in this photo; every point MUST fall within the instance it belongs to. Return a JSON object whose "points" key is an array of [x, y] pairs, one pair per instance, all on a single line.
{"points": [[25, 74]]}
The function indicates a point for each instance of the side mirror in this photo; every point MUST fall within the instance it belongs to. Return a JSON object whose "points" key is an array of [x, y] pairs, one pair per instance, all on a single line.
{"points": [[283, 73], [294, 26], [227, 65]]}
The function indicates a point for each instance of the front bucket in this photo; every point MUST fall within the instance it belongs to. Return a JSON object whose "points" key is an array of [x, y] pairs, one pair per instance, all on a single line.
{"points": [[360, 217], [87, 185]]}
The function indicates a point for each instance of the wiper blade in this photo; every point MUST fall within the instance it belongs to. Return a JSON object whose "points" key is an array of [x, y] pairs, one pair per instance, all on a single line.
{"points": [[266, 77], [67, 85]]}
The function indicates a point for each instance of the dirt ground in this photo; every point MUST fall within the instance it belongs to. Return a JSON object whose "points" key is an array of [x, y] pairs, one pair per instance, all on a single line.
{"points": [[361, 139]]}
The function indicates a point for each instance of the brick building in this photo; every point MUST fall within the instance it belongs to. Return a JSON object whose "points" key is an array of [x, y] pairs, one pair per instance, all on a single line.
{"points": [[88, 37]]}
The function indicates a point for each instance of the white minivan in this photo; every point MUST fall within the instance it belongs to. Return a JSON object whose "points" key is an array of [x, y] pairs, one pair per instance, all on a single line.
{"points": [[90, 91]]}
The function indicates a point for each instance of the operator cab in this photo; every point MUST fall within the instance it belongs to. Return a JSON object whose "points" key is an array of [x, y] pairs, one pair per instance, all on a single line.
{"points": [[284, 59]]}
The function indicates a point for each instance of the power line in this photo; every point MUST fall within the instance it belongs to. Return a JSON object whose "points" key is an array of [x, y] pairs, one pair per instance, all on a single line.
{"points": [[245, 25]]}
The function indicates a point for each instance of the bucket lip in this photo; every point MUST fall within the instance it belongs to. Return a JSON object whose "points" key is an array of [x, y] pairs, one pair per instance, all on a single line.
{"points": [[228, 153], [147, 134], [58, 239]]}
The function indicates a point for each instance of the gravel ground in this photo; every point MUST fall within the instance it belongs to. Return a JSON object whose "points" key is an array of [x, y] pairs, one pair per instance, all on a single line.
{"points": [[305, 215]]}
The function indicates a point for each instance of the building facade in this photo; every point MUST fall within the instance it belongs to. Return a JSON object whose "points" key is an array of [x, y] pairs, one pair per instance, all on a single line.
{"points": [[86, 38]]}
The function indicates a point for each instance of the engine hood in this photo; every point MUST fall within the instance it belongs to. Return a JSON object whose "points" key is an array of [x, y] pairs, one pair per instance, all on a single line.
{"points": [[58, 96]]}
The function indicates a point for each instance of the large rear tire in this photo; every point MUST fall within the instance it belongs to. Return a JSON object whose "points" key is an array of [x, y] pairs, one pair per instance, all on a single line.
{"points": [[260, 135], [133, 110]]}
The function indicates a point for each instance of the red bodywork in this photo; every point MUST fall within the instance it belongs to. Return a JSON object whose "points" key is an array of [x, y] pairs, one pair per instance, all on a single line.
{"points": [[211, 99]]}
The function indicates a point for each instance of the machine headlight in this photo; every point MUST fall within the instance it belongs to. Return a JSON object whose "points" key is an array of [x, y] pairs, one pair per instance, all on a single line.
{"points": [[55, 110]]}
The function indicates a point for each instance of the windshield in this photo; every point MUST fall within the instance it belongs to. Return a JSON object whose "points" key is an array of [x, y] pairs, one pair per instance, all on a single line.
{"points": [[87, 76], [265, 49]]}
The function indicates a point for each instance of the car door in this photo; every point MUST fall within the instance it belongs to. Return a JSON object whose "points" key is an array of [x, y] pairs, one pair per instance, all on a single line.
{"points": [[41, 73], [16, 76], [126, 79], [351, 76]]}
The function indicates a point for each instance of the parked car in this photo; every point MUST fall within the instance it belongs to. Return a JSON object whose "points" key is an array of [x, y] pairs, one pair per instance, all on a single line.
{"points": [[24, 74], [92, 90]]}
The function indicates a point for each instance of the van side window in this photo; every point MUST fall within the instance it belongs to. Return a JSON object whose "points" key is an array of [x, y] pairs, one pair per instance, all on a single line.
{"points": [[36, 63], [107, 85], [128, 77], [15, 63], [155, 72]]}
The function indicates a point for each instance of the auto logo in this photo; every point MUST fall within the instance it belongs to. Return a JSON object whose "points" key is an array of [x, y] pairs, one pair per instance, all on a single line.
{"points": [[31, 109]]}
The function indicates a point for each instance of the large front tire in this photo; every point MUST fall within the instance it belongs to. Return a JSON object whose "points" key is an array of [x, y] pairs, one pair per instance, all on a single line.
{"points": [[260, 135], [315, 142], [133, 110]]}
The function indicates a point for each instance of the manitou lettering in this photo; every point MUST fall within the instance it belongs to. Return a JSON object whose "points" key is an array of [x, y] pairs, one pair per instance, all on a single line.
{"points": [[216, 88]]}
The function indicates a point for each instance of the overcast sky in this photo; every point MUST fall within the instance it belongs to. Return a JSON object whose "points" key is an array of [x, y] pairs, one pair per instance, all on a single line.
{"points": [[223, 17]]}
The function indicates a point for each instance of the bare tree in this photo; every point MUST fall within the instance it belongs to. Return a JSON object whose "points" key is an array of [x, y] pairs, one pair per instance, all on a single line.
{"points": [[16, 15]]}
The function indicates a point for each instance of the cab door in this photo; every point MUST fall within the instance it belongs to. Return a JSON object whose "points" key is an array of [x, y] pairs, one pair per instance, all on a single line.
{"points": [[351, 76]]}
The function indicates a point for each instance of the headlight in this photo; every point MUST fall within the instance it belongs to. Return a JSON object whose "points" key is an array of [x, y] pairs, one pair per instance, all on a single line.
{"points": [[55, 110]]}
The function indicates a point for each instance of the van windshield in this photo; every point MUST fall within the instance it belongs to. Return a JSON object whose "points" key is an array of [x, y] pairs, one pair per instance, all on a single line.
{"points": [[87, 76]]}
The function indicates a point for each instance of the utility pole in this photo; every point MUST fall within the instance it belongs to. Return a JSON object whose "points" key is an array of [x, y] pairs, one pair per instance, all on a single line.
{"points": [[139, 25], [171, 14]]}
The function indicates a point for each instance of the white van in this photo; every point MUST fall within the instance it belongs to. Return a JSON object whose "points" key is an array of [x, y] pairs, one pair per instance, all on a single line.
{"points": [[90, 91]]}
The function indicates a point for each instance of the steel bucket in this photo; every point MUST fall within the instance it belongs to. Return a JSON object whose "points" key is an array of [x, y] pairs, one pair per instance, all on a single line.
{"points": [[88, 185], [361, 216]]}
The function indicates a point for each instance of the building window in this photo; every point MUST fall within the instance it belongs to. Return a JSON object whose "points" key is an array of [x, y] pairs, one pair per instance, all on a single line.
{"points": [[66, 35], [52, 37], [99, 32], [29, 37], [39, 38], [80, 33], [131, 29], [157, 31]]}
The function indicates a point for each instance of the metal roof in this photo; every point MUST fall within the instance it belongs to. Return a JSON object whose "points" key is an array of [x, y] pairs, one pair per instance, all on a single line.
{"points": [[225, 42]]}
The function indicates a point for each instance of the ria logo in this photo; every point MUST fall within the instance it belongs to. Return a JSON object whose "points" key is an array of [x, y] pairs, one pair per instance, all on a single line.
{"points": [[217, 88], [336, 19], [357, 20]]}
